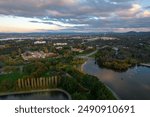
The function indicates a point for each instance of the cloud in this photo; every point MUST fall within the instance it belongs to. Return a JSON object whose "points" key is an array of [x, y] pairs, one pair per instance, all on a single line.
{"points": [[130, 13], [120, 1], [84, 15], [35, 8], [58, 8], [59, 23], [148, 7], [146, 13]]}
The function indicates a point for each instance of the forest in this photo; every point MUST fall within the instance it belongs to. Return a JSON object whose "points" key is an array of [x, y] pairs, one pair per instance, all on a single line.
{"points": [[118, 61]]}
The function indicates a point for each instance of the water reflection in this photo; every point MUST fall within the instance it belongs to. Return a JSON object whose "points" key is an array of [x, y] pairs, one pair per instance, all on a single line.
{"points": [[47, 95], [132, 84]]}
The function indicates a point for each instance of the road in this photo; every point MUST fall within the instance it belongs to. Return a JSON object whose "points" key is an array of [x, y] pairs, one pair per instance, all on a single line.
{"points": [[87, 56]]}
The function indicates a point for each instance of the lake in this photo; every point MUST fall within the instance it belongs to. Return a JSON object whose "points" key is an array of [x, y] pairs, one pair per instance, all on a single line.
{"points": [[42, 95], [133, 84]]}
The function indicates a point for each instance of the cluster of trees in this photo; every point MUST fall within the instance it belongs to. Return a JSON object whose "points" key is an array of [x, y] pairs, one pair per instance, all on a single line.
{"points": [[7, 85], [120, 61], [84, 87], [9, 69], [9, 61], [141, 53], [97, 90], [8, 81], [35, 69]]}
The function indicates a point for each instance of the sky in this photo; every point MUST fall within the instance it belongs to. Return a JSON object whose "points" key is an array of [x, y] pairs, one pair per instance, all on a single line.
{"points": [[74, 15]]}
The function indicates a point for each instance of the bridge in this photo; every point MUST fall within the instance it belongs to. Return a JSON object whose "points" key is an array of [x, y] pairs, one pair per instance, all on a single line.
{"points": [[144, 64]]}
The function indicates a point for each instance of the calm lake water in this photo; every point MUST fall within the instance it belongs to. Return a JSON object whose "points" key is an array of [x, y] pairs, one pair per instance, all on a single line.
{"points": [[133, 84], [46, 95]]}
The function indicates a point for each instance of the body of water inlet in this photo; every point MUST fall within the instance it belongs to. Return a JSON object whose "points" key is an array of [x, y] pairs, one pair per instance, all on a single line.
{"points": [[133, 84]]}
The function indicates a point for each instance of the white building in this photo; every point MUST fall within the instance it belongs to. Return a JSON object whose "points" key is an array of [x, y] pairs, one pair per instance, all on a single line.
{"points": [[40, 42], [59, 48], [60, 44], [77, 50]]}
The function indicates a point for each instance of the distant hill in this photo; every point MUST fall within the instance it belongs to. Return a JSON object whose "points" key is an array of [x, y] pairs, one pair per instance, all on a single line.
{"points": [[132, 33]]}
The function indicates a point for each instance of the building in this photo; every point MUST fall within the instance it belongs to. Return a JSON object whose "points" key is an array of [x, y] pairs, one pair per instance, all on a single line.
{"points": [[37, 55], [90, 47], [40, 42], [77, 50], [59, 48], [60, 44], [109, 38]]}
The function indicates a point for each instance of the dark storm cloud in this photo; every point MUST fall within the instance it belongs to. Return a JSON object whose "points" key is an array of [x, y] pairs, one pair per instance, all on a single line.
{"points": [[94, 13]]}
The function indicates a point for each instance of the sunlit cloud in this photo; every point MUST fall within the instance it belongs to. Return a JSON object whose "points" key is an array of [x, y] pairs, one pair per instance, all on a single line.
{"points": [[20, 24], [146, 13], [131, 12]]}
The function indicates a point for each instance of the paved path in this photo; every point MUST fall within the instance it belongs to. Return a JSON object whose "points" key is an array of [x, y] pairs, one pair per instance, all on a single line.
{"points": [[87, 56]]}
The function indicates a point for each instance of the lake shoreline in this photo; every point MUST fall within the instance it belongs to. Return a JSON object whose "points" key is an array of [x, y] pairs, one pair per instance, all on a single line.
{"points": [[116, 96]]}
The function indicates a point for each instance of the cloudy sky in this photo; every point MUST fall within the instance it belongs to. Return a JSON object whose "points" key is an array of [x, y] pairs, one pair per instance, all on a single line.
{"points": [[74, 15]]}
